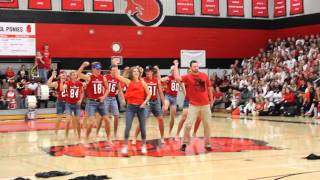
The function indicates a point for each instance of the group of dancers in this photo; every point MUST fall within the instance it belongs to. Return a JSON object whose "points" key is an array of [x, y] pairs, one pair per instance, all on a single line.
{"points": [[142, 95]]}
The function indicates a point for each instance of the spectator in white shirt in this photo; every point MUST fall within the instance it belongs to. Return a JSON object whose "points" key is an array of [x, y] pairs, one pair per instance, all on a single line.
{"points": [[250, 107]]}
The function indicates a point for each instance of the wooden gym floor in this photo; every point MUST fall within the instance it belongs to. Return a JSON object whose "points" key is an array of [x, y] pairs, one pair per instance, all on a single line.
{"points": [[251, 148]]}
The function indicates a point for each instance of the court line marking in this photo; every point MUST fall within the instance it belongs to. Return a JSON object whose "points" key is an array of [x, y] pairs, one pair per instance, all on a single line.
{"points": [[181, 174], [195, 173], [277, 177]]}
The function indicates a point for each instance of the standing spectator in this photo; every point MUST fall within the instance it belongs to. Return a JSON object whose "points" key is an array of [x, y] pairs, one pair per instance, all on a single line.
{"points": [[3, 79], [43, 60], [2, 101], [47, 60], [38, 61], [10, 74]]}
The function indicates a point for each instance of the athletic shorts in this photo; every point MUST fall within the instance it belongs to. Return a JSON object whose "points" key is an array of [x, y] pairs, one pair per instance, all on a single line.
{"points": [[154, 108], [172, 100], [92, 107], [73, 109], [111, 103]]}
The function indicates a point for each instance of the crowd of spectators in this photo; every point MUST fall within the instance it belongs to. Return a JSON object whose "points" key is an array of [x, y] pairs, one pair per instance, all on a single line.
{"points": [[17, 85], [283, 79]]}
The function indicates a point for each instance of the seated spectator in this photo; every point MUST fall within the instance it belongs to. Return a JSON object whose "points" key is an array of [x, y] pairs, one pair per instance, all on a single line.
{"points": [[289, 103], [217, 97], [250, 107], [23, 70], [268, 108], [308, 102], [259, 104], [11, 98], [245, 95], [21, 80], [234, 99]]}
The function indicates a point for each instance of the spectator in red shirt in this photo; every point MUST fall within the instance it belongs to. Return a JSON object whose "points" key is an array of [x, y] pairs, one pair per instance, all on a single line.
{"points": [[10, 74], [44, 63], [217, 97], [288, 98]]}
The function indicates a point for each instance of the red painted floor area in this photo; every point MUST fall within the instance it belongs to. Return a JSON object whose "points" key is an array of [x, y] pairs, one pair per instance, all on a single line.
{"points": [[156, 149], [22, 126]]}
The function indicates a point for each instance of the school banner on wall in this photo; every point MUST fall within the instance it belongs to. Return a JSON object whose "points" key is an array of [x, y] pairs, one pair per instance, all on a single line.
{"points": [[260, 8], [9, 4], [235, 8], [17, 39], [210, 7], [296, 7], [280, 8], [73, 5], [40, 4], [185, 7], [103, 5]]}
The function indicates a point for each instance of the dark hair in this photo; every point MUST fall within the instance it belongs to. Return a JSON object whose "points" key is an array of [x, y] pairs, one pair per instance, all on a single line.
{"points": [[193, 61]]}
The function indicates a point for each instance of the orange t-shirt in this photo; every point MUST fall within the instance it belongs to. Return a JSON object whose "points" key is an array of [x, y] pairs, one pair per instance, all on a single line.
{"points": [[135, 93]]}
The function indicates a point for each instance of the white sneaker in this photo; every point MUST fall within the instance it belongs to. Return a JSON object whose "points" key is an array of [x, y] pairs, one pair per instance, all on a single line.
{"points": [[144, 149], [162, 141], [134, 142], [124, 150]]}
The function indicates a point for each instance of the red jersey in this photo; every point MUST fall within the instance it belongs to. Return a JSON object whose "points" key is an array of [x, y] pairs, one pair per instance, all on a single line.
{"points": [[74, 90], [61, 95], [135, 93], [197, 88], [112, 85], [172, 86], [153, 87], [95, 87]]}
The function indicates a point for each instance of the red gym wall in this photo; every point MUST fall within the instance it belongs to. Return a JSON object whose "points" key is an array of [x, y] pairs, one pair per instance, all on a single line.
{"points": [[74, 41], [303, 30]]}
